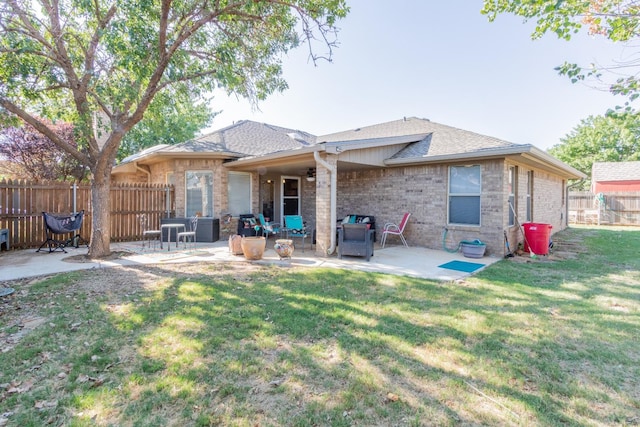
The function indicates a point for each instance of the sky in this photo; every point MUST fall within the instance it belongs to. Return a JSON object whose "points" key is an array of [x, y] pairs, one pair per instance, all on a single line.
{"points": [[440, 60]]}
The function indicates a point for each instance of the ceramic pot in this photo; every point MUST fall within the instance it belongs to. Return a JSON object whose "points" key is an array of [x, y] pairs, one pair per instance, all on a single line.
{"points": [[235, 244], [253, 247], [284, 248]]}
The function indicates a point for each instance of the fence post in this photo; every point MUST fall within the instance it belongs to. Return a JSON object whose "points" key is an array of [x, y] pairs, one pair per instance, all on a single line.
{"points": [[168, 201], [75, 199]]}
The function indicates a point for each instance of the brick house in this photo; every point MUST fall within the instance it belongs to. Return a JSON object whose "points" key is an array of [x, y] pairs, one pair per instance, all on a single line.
{"points": [[446, 177]]}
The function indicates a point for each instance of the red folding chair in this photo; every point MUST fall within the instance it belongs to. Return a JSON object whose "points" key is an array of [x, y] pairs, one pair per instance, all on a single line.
{"points": [[395, 229]]}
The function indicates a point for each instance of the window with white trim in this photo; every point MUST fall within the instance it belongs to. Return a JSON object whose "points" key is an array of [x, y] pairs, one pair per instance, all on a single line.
{"points": [[239, 193], [464, 195], [199, 193]]}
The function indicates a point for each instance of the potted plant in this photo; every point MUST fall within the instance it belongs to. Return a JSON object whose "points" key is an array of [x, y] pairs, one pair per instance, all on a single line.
{"points": [[284, 248], [473, 248], [253, 247]]}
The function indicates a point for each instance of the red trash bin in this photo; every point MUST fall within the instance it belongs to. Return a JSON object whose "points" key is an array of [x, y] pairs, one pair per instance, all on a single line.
{"points": [[537, 238]]}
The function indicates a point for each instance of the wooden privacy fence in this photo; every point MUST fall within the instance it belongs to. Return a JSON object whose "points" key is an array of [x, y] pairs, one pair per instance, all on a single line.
{"points": [[620, 208], [22, 204]]}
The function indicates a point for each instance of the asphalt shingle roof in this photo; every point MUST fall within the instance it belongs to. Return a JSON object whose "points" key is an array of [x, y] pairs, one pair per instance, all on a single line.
{"points": [[615, 171], [247, 138], [441, 139], [242, 139]]}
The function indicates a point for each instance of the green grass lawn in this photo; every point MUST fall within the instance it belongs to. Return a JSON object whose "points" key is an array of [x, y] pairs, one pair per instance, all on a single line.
{"points": [[525, 342]]}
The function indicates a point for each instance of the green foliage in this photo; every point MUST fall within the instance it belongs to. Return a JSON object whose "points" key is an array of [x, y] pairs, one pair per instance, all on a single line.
{"points": [[611, 138], [172, 118], [616, 20], [106, 61]]}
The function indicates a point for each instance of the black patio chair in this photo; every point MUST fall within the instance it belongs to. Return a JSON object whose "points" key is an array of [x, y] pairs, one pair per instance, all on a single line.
{"points": [[63, 225], [356, 240]]}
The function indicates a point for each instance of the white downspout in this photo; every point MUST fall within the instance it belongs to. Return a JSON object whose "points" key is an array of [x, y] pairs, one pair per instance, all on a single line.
{"points": [[333, 199]]}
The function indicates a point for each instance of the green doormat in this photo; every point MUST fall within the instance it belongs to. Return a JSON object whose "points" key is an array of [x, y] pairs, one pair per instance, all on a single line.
{"points": [[467, 267]]}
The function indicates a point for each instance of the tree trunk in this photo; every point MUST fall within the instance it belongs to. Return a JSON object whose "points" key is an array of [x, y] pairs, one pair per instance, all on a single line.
{"points": [[100, 216]]}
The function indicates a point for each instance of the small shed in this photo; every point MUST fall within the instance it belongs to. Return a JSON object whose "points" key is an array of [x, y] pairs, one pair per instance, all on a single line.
{"points": [[609, 177]]}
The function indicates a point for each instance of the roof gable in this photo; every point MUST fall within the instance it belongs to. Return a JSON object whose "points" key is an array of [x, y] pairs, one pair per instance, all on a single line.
{"points": [[440, 140], [247, 138], [242, 139]]}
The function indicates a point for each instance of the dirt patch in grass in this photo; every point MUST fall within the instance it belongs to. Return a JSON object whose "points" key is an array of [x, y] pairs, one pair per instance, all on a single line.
{"points": [[86, 258], [20, 313]]}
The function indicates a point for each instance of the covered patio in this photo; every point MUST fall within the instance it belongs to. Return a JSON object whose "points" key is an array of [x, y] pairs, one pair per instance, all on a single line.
{"points": [[311, 173]]}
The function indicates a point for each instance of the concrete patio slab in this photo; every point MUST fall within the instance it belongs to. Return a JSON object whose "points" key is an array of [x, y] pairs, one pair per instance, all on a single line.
{"points": [[398, 260]]}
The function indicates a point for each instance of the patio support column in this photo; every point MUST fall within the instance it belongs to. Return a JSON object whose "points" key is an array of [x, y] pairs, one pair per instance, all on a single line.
{"points": [[323, 205]]}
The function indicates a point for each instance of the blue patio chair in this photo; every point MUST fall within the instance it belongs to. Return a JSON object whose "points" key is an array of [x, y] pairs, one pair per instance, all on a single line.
{"points": [[295, 227], [268, 227]]}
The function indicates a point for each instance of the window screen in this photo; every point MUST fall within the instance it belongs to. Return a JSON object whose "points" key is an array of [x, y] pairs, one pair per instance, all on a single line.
{"points": [[464, 195], [239, 193]]}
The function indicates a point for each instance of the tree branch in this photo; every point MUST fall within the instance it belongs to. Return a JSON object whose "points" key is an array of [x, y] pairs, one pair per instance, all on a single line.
{"points": [[45, 130]]}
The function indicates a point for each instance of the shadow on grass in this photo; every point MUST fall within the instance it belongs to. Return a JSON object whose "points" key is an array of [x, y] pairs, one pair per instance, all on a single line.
{"points": [[539, 343]]}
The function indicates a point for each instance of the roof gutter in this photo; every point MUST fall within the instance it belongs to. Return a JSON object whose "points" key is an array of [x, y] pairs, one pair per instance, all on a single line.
{"points": [[535, 154], [333, 198], [278, 155], [557, 163]]}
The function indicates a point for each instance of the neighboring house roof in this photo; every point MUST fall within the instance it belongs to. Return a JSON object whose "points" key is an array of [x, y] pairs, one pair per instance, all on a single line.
{"points": [[615, 171]]}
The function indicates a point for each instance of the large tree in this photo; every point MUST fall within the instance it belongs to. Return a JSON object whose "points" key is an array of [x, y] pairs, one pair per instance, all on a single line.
{"points": [[616, 20], [610, 138], [102, 62], [171, 118]]}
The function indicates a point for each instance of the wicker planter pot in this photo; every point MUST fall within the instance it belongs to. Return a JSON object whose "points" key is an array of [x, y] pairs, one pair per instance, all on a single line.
{"points": [[284, 248], [253, 247]]}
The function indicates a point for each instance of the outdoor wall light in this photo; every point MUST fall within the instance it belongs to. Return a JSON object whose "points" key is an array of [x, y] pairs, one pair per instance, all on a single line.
{"points": [[311, 174]]}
